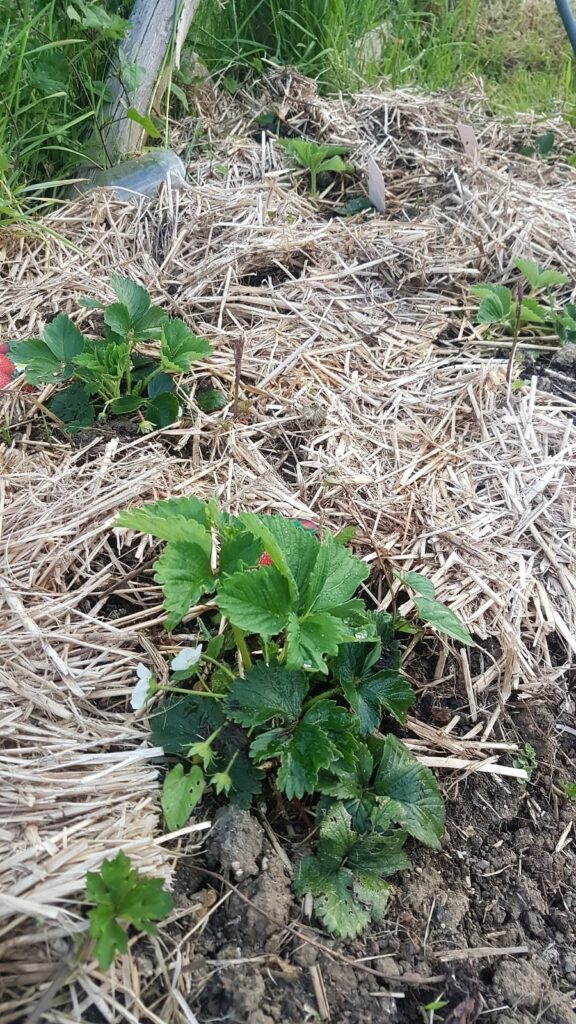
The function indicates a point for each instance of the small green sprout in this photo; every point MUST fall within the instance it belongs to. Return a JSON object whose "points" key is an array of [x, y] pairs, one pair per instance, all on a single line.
{"points": [[316, 158]]}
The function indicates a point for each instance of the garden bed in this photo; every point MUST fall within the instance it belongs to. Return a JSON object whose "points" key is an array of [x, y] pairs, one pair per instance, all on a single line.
{"points": [[366, 397]]}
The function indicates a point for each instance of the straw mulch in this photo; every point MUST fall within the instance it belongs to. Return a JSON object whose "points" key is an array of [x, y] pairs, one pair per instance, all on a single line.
{"points": [[366, 397]]}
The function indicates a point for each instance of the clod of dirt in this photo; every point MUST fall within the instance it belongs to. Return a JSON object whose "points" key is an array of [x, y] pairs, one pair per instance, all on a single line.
{"points": [[245, 987], [271, 894], [519, 984], [564, 361], [235, 842]]}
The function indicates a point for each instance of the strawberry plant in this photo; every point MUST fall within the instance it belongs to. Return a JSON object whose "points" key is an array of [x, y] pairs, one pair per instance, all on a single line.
{"points": [[289, 694], [315, 158], [531, 309], [114, 374]]}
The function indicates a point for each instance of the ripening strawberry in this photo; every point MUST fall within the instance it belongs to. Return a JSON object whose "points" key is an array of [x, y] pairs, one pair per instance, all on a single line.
{"points": [[6, 366]]}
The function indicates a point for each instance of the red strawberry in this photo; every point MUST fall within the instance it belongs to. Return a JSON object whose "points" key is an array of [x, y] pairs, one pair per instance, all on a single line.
{"points": [[265, 559], [6, 367]]}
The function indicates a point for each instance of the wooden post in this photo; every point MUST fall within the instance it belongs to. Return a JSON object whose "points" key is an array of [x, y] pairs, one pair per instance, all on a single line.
{"points": [[152, 40]]}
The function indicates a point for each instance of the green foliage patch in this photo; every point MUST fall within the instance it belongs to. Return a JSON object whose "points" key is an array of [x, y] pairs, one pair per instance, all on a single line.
{"points": [[290, 693]]}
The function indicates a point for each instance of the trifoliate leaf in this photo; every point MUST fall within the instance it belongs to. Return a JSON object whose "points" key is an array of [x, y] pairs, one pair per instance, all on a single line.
{"points": [[257, 601], [180, 794], [439, 615], [49, 361], [417, 804], [345, 875], [184, 573], [170, 520], [179, 347], [267, 692]]}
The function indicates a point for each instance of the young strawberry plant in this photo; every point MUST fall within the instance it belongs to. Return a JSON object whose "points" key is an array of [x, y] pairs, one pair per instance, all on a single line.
{"points": [[535, 309], [316, 158], [288, 694], [113, 375]]}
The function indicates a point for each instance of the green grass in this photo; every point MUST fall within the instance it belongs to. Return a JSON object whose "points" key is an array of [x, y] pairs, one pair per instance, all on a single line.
{"points": [[54, 55], [53, 59], [518, 47]]}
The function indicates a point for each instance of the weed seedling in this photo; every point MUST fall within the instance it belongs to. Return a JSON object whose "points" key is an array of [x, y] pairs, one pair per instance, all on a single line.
{"points": [[315, 158], [526, 760], [120, 893]]}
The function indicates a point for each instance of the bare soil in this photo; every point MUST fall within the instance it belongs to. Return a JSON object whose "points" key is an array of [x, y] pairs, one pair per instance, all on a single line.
{"points": [[500, 882]]}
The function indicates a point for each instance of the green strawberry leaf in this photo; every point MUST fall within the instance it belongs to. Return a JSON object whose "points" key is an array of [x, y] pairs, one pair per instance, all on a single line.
{"points": [[496, 303], [443, 618], [180, 794], [211, 400], [181, 721], [130, 295], [72, 405], [309, 638], [185, 574], [384, 691], [176, 519], [163, 410], [266, 692], [128, 403], [63, 338], [49, 361], [323, 735], [117, 318], [179, 347], [161, 384], [345, 876], [411, 787], [257, 601], [333, 580]]}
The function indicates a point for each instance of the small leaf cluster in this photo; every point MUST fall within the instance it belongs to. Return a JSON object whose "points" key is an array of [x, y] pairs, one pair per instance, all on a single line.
{"points": [[500, 307], [113, 375], [302, 716], [316, 158], [120, 893]]}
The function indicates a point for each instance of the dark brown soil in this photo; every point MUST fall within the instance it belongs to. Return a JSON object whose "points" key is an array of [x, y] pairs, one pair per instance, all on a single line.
{"points": [[498, 882]]}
